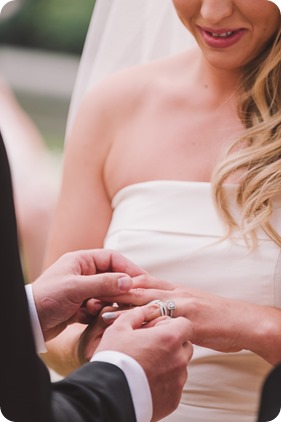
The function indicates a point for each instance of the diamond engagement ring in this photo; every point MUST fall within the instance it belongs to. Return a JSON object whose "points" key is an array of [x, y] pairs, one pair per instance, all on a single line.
{"points": [[166, 308], [171, 306]]}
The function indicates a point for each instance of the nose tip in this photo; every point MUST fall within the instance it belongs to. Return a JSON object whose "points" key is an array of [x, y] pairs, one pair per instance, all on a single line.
{"points": [[214, 11]]}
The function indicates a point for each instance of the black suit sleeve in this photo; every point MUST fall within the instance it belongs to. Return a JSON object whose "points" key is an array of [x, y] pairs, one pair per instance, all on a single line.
{"points": [[270, 402], [97, 392], [24, 380]]}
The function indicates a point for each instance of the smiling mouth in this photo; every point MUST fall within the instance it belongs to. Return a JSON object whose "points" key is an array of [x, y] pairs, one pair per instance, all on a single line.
{"points": [[222, 35], [221, 38]]}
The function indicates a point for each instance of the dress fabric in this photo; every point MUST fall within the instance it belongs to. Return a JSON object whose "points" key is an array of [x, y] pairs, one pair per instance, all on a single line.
{"points": [[172, 230]]}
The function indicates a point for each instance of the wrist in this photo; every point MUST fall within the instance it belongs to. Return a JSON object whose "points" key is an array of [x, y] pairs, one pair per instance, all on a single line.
{"points": [[266, 334], [62, 351]]}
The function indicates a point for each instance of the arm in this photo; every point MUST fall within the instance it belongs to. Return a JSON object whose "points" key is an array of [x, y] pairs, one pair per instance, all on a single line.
{"points": [[162, 349], [93, 161], [101, 391], [92, 172], [32, 401], [59, 294], [83, 211], [96, 392], [219, 323]]}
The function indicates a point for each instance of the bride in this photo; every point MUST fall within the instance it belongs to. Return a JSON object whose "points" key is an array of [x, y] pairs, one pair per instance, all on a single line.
{"points": [[176, 163]]}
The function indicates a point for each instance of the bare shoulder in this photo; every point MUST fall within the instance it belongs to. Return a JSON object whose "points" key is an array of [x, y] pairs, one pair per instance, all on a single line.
{"points": [[125, 90], [123, 99]]}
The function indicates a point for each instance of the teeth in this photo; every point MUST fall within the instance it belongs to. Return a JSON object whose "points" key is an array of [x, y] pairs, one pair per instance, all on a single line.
{"points": [[223, 35]]}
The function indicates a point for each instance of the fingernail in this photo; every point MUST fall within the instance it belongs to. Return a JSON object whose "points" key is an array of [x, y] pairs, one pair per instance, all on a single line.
{"points": [[109, 316], [124, 283]]}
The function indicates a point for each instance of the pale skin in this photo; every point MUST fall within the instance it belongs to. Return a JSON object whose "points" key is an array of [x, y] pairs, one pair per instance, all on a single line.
{"points": [[225, 325], [70, 290], [146, 124], [61, 296]]}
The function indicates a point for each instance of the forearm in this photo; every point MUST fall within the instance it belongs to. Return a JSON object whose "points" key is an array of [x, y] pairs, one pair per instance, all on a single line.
{"points": [[62, 354], [264, 333], [97, 391]]}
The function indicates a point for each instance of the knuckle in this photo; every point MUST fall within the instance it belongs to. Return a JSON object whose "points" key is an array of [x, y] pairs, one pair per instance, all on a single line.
{"points": [[171, 338], [141, 279], [105, 280], [138, 292], [186, 327]]}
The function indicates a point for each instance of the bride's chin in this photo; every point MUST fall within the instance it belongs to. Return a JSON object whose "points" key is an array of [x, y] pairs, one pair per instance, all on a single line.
{"points": [[221, 62]]}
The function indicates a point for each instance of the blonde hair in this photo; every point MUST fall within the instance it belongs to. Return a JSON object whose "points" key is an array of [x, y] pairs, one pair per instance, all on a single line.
{"points": [[255, 157]]}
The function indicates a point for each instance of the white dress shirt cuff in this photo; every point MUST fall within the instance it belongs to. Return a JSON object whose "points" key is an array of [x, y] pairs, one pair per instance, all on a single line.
{"points": [[35, 323], [136, 379]]}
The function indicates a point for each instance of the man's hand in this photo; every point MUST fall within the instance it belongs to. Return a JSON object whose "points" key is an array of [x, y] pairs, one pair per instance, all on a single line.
{"points": [[161, 347], [70, 289]]}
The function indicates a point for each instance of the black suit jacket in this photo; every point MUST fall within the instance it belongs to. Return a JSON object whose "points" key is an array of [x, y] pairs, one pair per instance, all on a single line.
{"points": [[96, 392], [270, 403]]}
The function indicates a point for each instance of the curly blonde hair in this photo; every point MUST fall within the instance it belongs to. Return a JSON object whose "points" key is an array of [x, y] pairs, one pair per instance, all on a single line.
{"points": [[255, 157]]}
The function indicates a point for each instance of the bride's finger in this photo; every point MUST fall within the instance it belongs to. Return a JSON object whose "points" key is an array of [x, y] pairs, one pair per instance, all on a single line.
{"points": [[140, 296], [154, 322], [148, 282], [110, 317]]}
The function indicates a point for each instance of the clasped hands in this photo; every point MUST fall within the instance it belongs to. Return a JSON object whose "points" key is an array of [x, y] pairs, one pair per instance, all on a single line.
{"points": [[78, 286]]}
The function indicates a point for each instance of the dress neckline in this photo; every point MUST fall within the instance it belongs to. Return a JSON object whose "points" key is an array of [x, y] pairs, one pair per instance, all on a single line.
{"points": [[167, 183]]}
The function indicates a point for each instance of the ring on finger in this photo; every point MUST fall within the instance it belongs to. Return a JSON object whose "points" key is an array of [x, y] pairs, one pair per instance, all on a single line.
{"points": [[171, 306], [166, 308]]}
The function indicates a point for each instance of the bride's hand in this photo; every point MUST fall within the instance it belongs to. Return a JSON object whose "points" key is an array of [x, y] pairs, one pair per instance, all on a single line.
{"points": [[219, 323]]}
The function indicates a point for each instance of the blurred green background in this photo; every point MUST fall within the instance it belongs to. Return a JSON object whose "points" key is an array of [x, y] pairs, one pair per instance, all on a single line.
{"points": [[57, 25], [41, 42]]}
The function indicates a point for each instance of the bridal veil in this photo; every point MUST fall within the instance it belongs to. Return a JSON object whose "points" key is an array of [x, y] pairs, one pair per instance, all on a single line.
{"points": [[124, 33]]}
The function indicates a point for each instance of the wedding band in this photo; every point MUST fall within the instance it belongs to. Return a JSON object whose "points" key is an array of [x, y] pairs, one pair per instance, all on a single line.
{"points": [[171, 306], [163, 309], [162, 306], [166, 308]]}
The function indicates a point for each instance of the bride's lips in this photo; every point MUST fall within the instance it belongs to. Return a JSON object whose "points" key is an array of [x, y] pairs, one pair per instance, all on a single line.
{"points": [[221, 38]]}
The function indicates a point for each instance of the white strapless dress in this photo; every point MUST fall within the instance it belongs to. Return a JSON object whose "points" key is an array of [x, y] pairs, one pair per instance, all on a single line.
{"points": [[172, 230]]}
